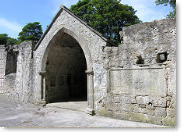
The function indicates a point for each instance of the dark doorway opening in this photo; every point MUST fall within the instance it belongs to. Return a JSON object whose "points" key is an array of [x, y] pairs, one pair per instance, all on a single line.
{"points": [[66, 65]]}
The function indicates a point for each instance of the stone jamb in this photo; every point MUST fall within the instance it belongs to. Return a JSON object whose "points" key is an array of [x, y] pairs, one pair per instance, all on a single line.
{"points": [[90, 92], [43, 87]]}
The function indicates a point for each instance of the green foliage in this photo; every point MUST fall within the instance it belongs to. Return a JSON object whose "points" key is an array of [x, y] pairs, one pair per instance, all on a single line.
{"points": [[12, 41], [4, 39], [106, 16], [172, 3], [32, 31]]}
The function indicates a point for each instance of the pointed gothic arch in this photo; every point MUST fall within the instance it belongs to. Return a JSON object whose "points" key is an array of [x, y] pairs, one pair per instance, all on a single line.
{"points": [[89, 69]]}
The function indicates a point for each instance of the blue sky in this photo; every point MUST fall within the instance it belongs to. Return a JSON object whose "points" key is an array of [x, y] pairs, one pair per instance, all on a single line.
{"points": [[15, 14]]}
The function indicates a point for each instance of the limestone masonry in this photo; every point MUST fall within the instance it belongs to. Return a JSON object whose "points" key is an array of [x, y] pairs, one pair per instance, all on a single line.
{"points": [[135, 80]]}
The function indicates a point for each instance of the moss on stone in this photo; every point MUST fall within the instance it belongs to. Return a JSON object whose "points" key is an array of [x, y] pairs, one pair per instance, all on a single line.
{"points": [[138, 117], [169, 121], [152, 91], [127, 116], [151, 120], [103, 111]]}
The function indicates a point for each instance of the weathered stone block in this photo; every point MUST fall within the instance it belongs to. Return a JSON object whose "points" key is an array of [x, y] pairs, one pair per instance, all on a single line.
{"points": [[125, 99], [117, 106], [101, 111], [109, 113], [124, 115], [142, 105], [151, 119], [109, 106], [171, 112], [116, 100], [173, 103], [160, 112], [138, 117], [128, 99], [109, 98], [140, 110], [168, 98], [127, 107], [137, 109], [133, 100], [154, 119], [160, 102], [169, 121], [141, 100], [151, 112]]}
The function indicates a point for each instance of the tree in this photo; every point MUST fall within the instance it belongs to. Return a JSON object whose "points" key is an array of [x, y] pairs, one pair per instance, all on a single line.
{"points": [[32, 31], [172, 3], [5, 40], [12, 41], [106, 16]]}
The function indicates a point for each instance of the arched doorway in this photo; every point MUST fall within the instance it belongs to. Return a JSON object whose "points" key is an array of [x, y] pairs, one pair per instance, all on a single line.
{"points": [[67, 39], [65, 68]]}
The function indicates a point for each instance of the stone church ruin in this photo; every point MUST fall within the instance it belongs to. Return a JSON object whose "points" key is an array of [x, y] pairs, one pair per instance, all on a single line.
{"points": [[134, 81]]}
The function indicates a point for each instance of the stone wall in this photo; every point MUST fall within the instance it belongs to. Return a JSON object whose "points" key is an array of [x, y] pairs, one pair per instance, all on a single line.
{"points": [[2, 68], [23, 82], [10, 86], [142, 74], [19, 72]]}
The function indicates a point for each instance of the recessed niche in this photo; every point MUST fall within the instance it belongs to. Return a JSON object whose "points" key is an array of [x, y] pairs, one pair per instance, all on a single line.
{"points": [[162, 57], [140, 60]]}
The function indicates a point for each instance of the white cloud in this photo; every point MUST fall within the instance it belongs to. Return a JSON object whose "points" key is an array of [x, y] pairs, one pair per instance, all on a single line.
{"points": [[10, 25], [12, 28], [147, 9]]}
